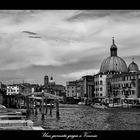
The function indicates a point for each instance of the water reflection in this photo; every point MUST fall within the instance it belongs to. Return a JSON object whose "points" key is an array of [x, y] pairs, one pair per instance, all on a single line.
{"points": [[80, 117]]}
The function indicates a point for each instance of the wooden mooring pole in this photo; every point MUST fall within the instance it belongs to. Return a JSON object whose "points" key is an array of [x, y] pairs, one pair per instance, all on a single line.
{"points": [[57, 108], [46, 105], [36, 108], [42, 105], [51, 108], [27, 102]]}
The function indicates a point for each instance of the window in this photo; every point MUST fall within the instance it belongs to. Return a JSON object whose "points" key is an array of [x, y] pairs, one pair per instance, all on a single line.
{"points": [[134, 84], [100, 75], [101, 82], [101, 89], [101, 94], [133, 92]]}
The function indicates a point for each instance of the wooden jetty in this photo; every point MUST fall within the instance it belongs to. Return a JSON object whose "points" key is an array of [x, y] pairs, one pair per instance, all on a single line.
{"points": [[12, 119]]}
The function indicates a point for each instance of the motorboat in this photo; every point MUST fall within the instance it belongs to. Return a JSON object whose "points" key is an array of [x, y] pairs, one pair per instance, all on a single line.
{"points": [[115, 105], [81, 103], [99, 105], [2, 106]]}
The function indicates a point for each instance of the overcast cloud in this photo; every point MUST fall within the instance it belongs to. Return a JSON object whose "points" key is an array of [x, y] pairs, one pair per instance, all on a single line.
{"points": [[64, 43]]}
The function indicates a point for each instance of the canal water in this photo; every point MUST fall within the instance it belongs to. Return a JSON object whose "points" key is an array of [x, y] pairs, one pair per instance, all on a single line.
{"points": [[82, 117]]}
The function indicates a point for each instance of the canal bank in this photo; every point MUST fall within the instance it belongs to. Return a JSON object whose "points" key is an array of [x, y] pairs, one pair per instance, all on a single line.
{"points": [[82, 117]]}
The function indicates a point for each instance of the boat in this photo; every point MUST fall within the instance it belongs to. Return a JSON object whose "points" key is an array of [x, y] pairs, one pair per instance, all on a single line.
{"points": [[115, 105], [118, 105], [81, 103], [2, 106], [99, 105]]}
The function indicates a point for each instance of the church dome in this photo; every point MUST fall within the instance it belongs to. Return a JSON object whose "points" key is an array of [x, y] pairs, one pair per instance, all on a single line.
{"points": [[113, 63], [133, 67]]}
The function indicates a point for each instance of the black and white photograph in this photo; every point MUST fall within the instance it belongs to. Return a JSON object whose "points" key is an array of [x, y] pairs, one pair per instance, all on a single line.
{"points": [[69, 70]]}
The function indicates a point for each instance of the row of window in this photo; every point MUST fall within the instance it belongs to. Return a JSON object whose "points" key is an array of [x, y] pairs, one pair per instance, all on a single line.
{"points": [[12, 90], [130, 92], [98, 76], [69, 87], [99, 82], [97, 95], [125, 78], [124, 85], [97, 89], [71, 91]]}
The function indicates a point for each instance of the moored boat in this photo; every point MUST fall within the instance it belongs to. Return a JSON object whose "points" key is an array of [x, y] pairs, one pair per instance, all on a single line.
{"points": [[98, 105]]}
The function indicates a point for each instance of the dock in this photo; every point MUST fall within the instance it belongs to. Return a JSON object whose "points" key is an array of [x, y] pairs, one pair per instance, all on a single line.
{"points": [[15, 119]]}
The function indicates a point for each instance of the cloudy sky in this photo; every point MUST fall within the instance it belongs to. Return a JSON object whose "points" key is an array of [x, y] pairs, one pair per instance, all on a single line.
{"points": [[66, 44]]}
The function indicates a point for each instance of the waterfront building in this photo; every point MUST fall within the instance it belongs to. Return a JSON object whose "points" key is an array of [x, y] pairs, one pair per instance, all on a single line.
{"points": [[82, 88], [71, 89], [12, 90], [100, 86], [53, 88], [27, 88], [2, 93], [88, 87], [110, 65], [59, 90], [126, 85], [120, 81]]}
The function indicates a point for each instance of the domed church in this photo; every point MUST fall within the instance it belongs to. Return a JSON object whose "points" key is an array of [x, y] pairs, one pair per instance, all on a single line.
{"points": [[113, 63], [115, 79]]}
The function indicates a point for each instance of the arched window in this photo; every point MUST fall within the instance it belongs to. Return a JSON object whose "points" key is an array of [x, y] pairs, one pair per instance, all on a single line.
{"points": [[101, 82], [101, 88]]}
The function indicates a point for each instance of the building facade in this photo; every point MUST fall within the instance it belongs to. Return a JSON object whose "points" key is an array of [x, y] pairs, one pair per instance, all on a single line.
{"points": [[82, 88], [12, 90], [119, 81], [88, 87], [124, 86], [71, 88], [100, 90], [53, 88], [2, 93]]}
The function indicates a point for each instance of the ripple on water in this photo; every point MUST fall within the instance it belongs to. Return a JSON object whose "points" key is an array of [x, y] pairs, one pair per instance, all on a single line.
{"points": [[76, 117]]}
